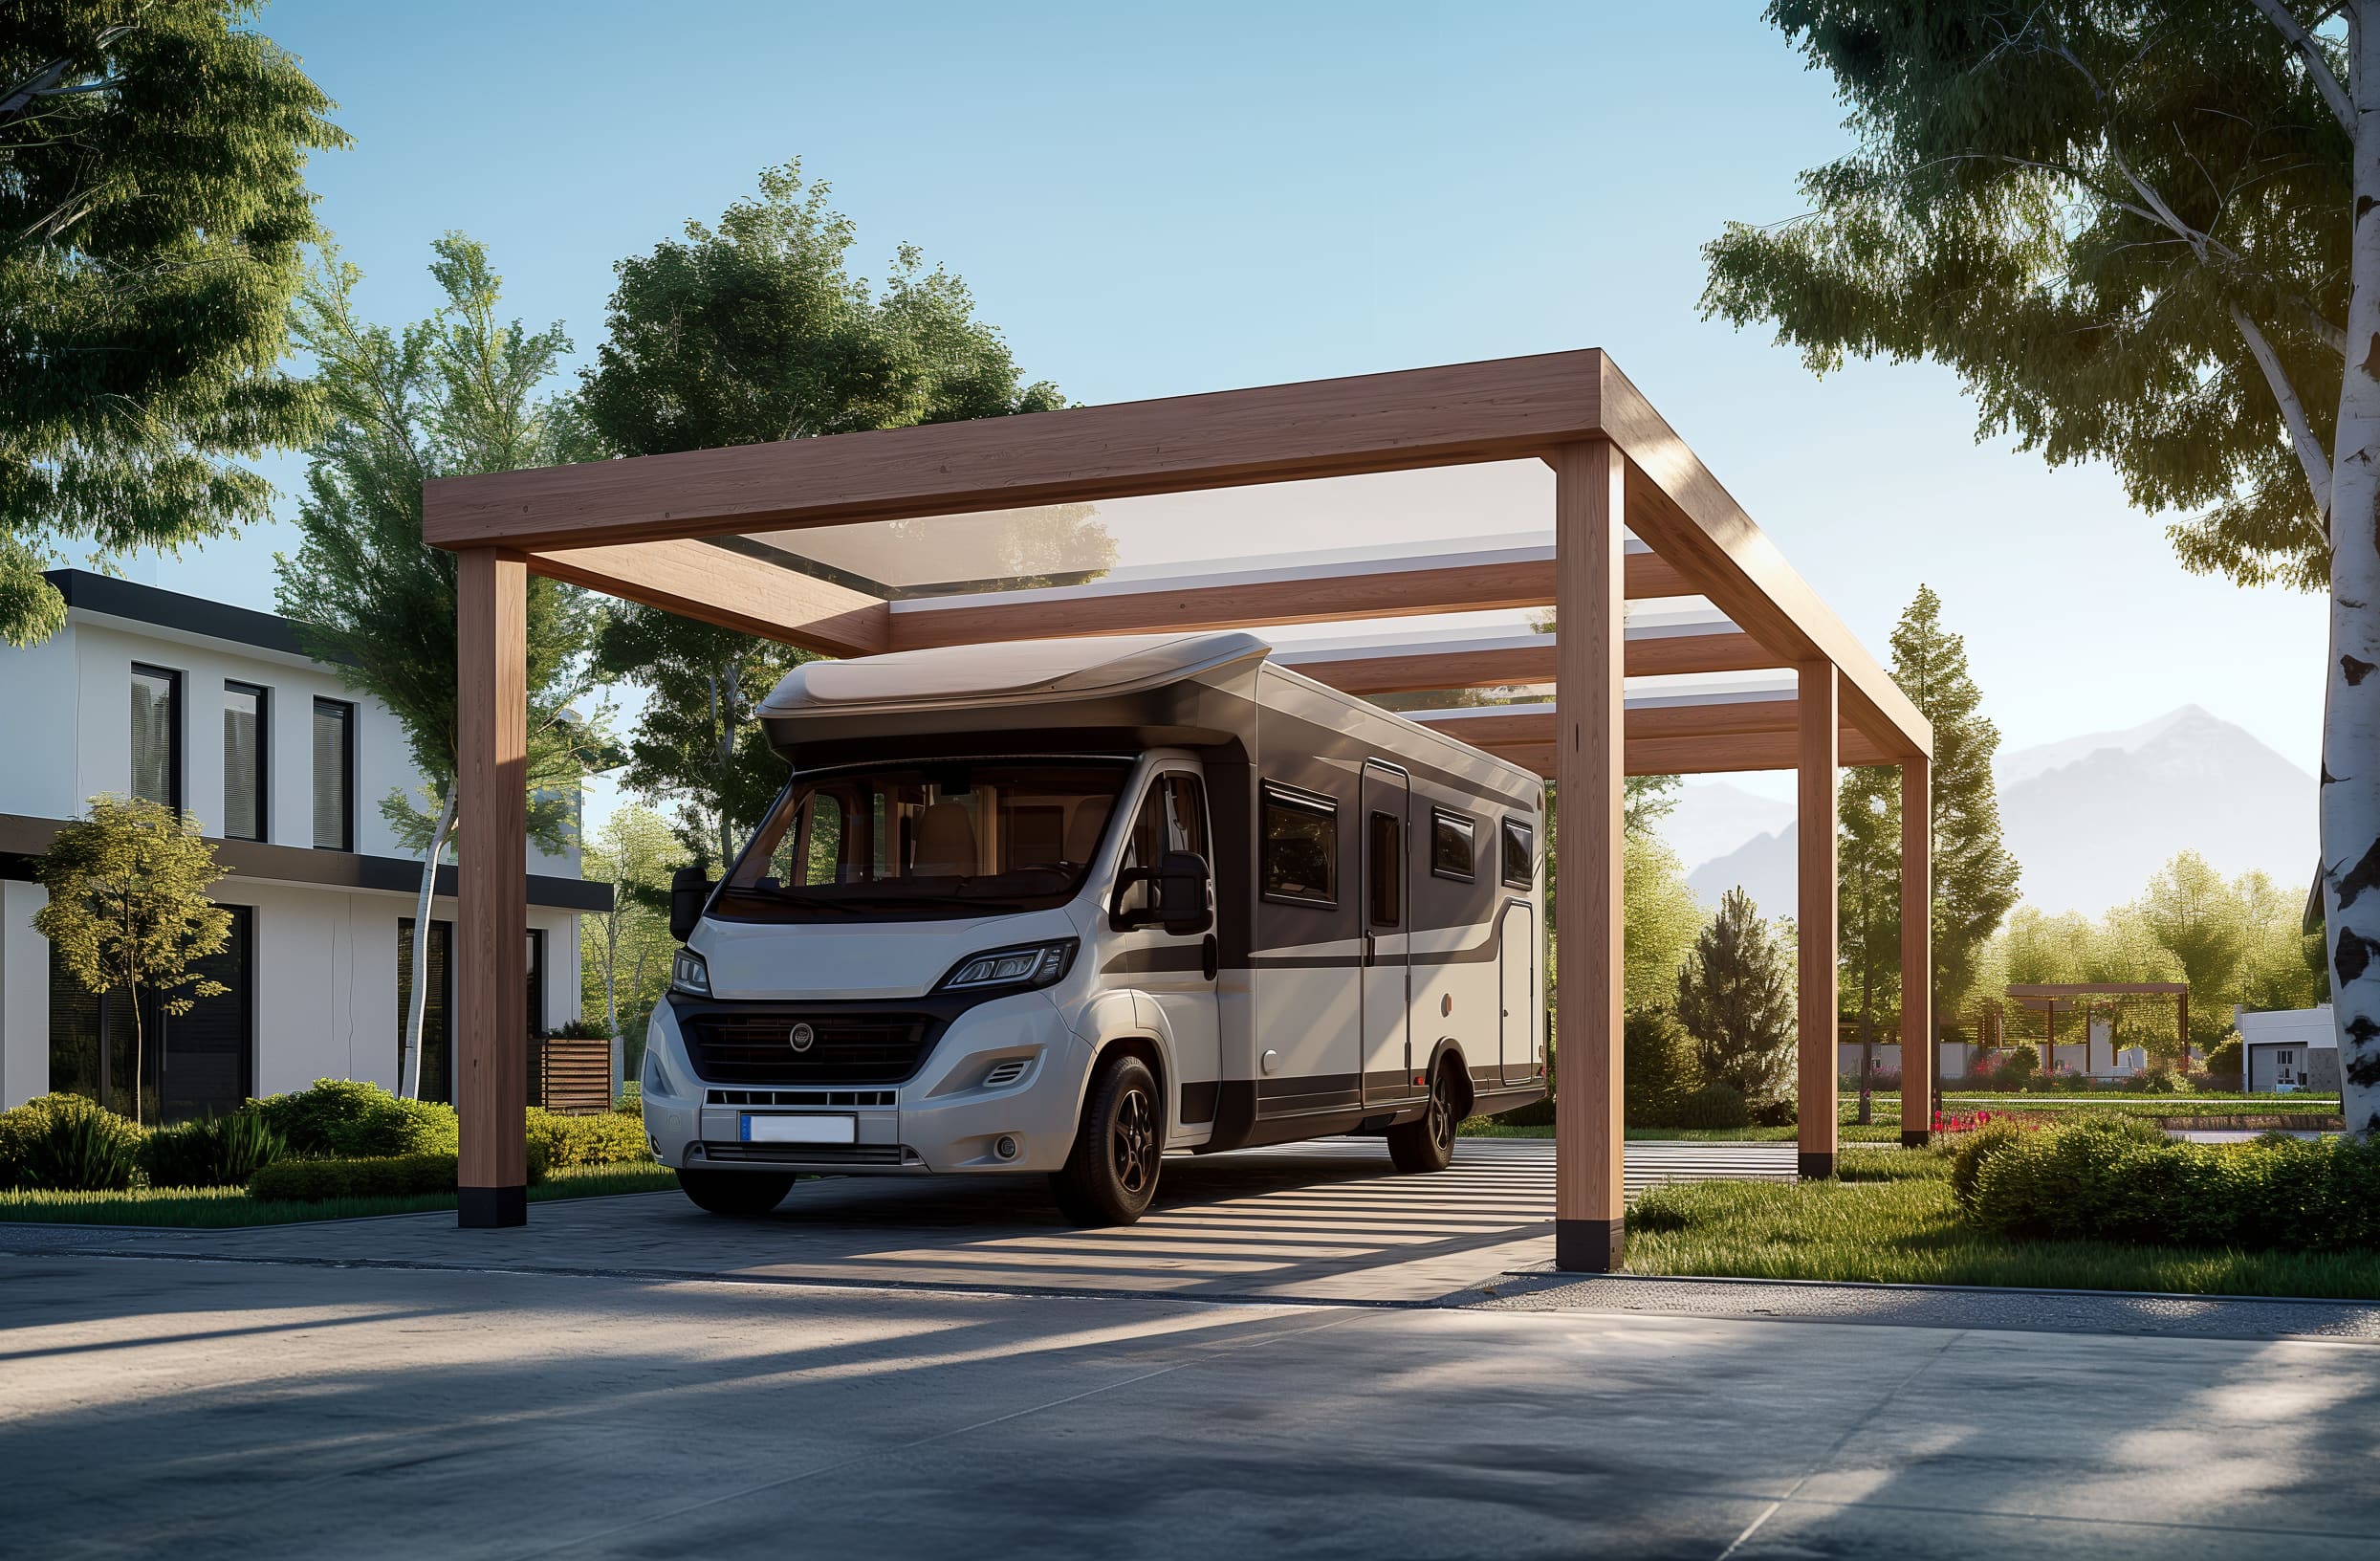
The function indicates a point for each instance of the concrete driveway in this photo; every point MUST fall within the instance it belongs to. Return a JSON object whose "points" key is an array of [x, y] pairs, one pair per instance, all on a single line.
{"points": [[398, 1388]]}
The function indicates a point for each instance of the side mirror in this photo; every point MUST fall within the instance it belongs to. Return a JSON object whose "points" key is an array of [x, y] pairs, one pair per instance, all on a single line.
{"points": [[1185, 897], [689, 889]]}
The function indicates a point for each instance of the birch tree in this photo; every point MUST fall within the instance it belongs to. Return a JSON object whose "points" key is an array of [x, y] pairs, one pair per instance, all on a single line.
{"points": [[2150, 234], [461, 392]]}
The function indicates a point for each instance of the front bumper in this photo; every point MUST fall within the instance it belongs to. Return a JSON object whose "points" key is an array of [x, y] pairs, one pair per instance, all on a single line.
{"points": [[1007, 1070]]}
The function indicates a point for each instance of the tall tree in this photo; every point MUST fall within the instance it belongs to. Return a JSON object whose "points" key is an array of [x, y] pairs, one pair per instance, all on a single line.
{"points": [[1868, 869], [458, 393], [1735, 998], [624, 952], [755, 330], [128, 910], [2145, 233], [154, 213]]}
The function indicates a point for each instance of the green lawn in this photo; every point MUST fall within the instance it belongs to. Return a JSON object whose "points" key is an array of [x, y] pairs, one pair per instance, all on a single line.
{"points": [[1883, 1130], [1891, 1219], [2196, 1104], [215, 1207]]}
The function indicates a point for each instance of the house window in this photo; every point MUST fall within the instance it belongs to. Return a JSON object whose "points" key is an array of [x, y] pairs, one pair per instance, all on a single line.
{"points": [[437, 1012], [2288, 1059], [334, 776], [243, 761], [1519, 854], [188, 1064], [536, 980], [1300, 849], [157, 735], [1451, 845]]}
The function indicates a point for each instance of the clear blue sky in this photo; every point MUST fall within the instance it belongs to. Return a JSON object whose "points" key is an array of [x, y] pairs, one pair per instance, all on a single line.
{"points": [[1152, 201]]}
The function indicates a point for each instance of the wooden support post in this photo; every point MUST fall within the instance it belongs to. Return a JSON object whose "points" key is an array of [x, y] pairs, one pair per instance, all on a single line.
{"points": [[1814, 830], [1589, 1197], [1917, 1043], [492, 928]]}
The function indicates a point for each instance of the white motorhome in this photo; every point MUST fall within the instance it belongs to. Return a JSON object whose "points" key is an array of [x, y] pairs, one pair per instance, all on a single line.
{"points": [[1058, 907]]}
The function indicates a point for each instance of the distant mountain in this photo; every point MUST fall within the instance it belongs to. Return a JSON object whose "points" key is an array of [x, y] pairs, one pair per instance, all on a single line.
{"points": [[2090, 819], [1763, 867], [1713, 818]]}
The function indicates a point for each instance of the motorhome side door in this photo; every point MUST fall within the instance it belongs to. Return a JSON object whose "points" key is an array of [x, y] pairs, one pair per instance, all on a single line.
{"points": [[1389, 1060], [1176, 971], [1515, 958]]}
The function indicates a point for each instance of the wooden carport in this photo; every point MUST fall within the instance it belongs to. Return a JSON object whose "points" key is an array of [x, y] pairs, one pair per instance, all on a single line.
{"points": [[1636, 516]]}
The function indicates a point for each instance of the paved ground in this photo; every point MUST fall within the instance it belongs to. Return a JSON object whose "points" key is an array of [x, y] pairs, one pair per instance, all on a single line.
{"points": [[560, 1391], [1322, 1222]]}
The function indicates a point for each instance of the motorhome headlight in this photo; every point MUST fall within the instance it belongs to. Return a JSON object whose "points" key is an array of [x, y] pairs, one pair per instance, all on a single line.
{"points": [[689, 975], [1028, 966]]}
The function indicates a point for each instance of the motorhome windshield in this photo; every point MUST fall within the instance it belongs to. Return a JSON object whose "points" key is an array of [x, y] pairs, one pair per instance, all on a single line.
{"points": [[927, 841]]}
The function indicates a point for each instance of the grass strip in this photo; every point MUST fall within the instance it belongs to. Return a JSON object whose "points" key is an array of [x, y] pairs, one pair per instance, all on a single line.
{"points": [[1891, 1219], [217, 1208]]}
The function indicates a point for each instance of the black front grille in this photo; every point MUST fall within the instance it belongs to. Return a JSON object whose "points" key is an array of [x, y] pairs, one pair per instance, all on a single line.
{"points": [[747, 1047], [808, 1154]]}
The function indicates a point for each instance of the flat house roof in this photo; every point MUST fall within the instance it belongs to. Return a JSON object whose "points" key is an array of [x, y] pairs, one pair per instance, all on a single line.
{"points": [[1515, 484]]}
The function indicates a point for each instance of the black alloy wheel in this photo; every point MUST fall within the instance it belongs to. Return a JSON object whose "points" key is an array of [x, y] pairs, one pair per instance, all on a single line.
{"points": [[1429, 1144], [1119, 1148]]}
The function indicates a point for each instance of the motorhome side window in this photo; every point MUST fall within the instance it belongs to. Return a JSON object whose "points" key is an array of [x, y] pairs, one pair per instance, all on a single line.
{"points": [[1519, 858], [1450, 845], [1301, 855], [940, 839]]}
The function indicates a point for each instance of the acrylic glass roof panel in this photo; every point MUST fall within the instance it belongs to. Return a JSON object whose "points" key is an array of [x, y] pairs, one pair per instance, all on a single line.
{"points": [[1285, 525]]}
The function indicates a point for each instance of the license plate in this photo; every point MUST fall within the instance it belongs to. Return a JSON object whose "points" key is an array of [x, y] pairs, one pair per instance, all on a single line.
{"points": [[801, 1130]]}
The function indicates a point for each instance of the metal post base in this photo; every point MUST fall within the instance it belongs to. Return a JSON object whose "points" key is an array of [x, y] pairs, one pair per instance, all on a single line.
{"points": [[491, 1208], [1590, 1246], [1816, 1167], [1915, 1138]]}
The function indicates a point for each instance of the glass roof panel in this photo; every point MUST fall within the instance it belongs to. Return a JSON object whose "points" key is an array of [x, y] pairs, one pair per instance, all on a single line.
{"points": [[1286, 524]]}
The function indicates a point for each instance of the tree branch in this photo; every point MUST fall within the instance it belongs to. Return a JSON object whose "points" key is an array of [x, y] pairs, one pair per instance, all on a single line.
{"points": [[2301, 438], [2317, 68]]}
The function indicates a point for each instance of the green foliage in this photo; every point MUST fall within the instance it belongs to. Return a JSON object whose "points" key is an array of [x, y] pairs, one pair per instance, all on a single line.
{"points": [[212, 1151], [358, 1118], [2098, 216], [604, 1139], [68, 1143], [155, 210], [451, 395], [624, 953], [128, 908], [2227, 1064], [390, 1176], [2020, 1067], [755, 330], [1713, 1105], [1734, 996], [2121, 1180], [1658, 921], [1659, 1067], [1973, 1149]]}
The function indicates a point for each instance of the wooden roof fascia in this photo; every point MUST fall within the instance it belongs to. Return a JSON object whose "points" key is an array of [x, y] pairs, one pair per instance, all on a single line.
{"points": [[714, 586]]}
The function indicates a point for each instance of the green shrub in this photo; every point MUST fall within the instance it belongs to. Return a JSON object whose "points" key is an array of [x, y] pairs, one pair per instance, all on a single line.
{"points": [[631, 1098], [1973, 1149], [67, 1143], [1713, 1106], [1773, 1114], [2226, 1063], [1659, 1067], [358, 1120], [2118, 1180], [1656, 1212], [211, 1152], [380, 1176], [2019, 1069], [1537, 1113], [606, 1138]]}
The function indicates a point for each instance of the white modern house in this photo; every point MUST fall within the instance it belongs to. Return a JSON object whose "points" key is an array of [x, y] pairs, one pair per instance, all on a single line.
{"points": [[2287, 1049], [216, 709]]}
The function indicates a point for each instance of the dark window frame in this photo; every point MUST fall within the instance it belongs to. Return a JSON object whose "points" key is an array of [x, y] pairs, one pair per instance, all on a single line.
{"points": [[1526, 829], [1271, 794], [262, 786], [1469, 826], [346, 775], [175, 747]]}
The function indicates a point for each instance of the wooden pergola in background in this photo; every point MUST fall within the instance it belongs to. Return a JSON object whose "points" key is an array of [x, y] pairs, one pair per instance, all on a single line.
{"points": [[1636, 518]]}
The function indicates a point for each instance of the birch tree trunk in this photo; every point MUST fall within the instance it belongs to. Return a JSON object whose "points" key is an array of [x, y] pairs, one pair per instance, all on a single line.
{"points": [[2350, 778], [409, 1079]]}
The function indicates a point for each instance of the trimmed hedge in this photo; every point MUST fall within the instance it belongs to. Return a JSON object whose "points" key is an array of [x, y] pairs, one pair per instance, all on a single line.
{"points": [[357, 1120], [380, 1176], [2110, 1179], [1713, 1106], [604, 1139]]}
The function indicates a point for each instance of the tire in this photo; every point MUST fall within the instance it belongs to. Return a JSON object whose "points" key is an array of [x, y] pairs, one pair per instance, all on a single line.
{"points": [[738, 1195], [1111, 1175], [1429, 1144]]}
